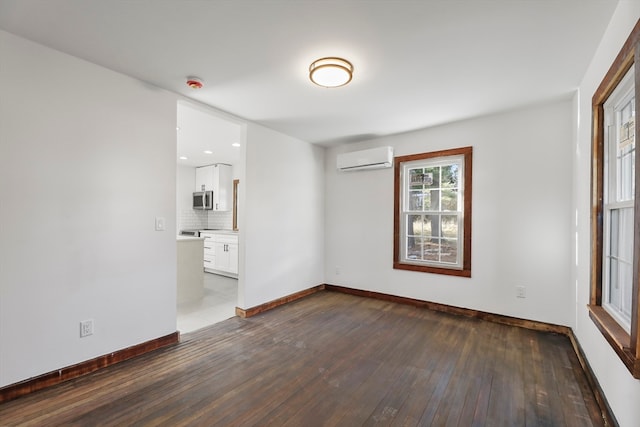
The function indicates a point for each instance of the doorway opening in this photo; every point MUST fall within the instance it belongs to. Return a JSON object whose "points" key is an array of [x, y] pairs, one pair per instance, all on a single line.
{"points": [[206, 139]]}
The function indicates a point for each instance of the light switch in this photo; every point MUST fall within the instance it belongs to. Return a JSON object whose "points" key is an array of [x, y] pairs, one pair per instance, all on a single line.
{"points": [[159, 223]]}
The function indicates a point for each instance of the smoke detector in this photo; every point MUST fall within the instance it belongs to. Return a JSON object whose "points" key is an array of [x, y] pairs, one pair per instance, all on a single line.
{"points": [[194, 82]]}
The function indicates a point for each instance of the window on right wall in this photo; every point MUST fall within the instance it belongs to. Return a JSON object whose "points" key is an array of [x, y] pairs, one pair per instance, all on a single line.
{"points": [[617, 201], [615, 218]]}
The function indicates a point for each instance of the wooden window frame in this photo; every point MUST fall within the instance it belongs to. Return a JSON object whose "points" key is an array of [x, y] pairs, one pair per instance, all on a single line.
{"points": [[465, 271], [626, 345]]}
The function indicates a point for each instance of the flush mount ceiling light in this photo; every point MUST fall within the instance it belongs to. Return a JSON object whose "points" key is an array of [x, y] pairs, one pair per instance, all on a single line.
{"points": [[331, 72]]}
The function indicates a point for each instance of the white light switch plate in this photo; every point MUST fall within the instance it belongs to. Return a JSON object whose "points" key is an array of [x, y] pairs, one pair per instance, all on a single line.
{"points": [[160, 223]]}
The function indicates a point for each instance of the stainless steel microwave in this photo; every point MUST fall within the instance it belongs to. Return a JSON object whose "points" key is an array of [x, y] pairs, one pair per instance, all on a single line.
{"points": [[203, 200]]}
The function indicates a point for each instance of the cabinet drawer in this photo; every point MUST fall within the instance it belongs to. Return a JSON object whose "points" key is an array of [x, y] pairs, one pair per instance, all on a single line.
{"points": [[209, 260], [226, 238]]}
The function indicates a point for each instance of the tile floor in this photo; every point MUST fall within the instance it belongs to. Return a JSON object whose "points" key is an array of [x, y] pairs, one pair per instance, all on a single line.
{"points": [[218, 304]]}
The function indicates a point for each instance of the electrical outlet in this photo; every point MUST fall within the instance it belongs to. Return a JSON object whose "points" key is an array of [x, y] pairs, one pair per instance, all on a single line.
{"points": [[521, 292], [337, 270], [86, 328]]}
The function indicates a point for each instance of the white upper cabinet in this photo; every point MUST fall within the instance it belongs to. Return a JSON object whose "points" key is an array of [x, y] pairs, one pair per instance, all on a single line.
{"points": [[222, 187], [204, 178], [219, 179]]}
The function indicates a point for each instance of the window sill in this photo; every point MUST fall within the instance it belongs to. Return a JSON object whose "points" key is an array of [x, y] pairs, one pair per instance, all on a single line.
{"points": [[617, 338], [430, 269]]}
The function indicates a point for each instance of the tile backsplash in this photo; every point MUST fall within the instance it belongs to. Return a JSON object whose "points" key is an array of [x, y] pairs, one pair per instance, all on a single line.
{"points": [[190, 219], [220, 220], [195, 219]]}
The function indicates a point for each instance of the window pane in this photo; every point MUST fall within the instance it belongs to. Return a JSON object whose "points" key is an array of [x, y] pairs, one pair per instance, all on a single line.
{"points": [[450, 200], [431, 226], [614, 232], [414, 239], [450, 226], [625, 235], [625, 278], [449, 250], [614, 288], [415, 178], [414, 225], [626, 166], [415, 200], [432, 200], [618, 291], [429, 204], [625, 151], [432, 177], [450, 176], [414, 248], [432, 250]]}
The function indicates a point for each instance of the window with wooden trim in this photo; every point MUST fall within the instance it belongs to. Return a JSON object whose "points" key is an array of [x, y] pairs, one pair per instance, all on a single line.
{"points": [[432, 224], [617, 201], [615, 216]]}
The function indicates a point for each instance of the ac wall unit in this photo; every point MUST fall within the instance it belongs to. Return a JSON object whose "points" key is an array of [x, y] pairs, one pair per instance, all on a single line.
{"points": [[374, 158]]}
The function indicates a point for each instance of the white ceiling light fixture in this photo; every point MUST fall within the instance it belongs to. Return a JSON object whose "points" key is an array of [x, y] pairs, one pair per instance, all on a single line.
{"points": [[331, 72], [208, 152]]}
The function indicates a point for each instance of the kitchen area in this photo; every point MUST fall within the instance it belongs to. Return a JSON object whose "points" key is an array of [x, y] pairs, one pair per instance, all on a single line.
{"points": [[207, 183]]}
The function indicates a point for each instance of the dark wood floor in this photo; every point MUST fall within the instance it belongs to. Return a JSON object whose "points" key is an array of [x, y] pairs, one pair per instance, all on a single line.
{"points": [[332, 359]]}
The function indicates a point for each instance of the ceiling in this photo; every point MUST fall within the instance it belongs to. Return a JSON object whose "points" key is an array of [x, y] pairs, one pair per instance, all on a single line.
{"points": [[416, 63], [204, 138]]}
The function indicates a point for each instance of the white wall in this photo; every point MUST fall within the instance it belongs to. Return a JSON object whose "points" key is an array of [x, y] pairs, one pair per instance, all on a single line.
{"points": [[622, 391], [521, 216], [185, 182], [187, 217], [282, 231], [87, 161]]}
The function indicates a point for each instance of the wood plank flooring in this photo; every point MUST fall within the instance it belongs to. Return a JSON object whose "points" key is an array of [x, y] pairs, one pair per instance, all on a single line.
{"points": [[332, 359]]}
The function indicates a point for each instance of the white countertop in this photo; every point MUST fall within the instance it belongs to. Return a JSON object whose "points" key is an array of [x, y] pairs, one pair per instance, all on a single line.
{"points": [[221, 231], [183, 238]]}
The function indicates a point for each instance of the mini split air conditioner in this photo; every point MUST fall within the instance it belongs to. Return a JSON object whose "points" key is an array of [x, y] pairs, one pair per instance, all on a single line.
{"points": [[374, 158]]}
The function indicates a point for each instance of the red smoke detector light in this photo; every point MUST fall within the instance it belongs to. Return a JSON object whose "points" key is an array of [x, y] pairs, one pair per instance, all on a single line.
{"points": [[194, 83]]}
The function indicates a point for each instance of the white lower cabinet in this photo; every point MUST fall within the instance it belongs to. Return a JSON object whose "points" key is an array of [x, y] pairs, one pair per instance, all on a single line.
{"points": [[233, 258], [209, 252], [221, 253]]}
